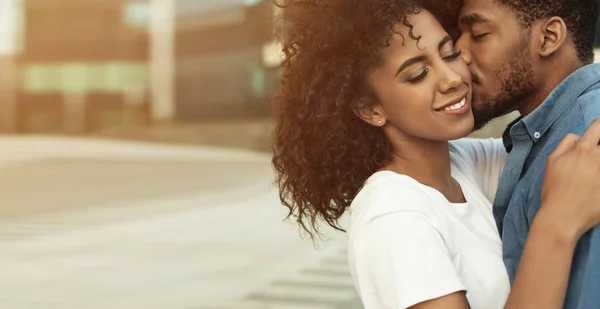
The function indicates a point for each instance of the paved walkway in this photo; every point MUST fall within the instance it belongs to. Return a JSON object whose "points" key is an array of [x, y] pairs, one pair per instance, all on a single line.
{"points": [[107, 225]]}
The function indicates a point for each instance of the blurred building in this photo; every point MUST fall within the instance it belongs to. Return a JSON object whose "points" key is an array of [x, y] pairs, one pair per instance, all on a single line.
{"points": [[72, 66], [81, 65], [220, 59]]}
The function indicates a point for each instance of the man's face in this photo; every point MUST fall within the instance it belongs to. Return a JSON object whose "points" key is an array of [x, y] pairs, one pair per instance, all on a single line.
{"points": [[498, 53]]}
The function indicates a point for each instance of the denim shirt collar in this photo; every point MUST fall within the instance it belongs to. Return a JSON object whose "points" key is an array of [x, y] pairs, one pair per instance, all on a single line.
{"points": [[506, 138], [562, 97]]}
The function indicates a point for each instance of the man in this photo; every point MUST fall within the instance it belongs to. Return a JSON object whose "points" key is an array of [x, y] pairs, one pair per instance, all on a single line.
{"points": [[535, 56]]}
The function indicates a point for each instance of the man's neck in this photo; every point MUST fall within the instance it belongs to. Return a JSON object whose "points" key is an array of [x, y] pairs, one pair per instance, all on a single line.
{"points": [[547, 85]]}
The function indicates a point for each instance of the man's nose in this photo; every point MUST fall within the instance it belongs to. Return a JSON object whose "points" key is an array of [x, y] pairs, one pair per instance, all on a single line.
{"points": [[465, 52], [467, 56]]}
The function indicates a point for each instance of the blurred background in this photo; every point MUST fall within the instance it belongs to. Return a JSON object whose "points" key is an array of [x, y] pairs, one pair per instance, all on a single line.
{"points": [[134, 161], [122, 68]]}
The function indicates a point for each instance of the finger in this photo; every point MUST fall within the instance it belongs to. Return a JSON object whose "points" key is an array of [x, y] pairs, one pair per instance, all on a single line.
{"points": [[591, 136], [566, 144]]}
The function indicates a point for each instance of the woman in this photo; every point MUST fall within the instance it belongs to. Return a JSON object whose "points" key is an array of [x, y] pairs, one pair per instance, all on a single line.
{"points": [[372, 92]]}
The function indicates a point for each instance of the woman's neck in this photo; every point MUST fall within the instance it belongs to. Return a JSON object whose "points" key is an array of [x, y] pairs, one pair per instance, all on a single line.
{"points": [[428, 162]]}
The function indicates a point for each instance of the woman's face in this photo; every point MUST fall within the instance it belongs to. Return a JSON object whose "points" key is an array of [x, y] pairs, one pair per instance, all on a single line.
{"points": [[423, 88]]}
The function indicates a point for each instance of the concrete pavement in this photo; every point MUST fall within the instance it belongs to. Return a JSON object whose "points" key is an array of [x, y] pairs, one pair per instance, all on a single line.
{"points": [[98, 224]]}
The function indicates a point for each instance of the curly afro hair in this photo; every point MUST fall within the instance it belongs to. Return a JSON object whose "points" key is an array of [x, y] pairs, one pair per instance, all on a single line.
{"points": [[323, 152]]}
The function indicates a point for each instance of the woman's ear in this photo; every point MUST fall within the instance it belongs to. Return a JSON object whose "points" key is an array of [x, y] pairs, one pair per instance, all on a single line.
{"points": [[371, 114]]}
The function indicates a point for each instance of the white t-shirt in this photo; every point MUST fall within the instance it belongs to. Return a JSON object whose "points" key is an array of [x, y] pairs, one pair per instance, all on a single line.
{"points": [[409, 244]]}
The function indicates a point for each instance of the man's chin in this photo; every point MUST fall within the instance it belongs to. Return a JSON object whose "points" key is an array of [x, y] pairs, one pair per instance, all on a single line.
{"points": [[483, 118], [480, 125]]}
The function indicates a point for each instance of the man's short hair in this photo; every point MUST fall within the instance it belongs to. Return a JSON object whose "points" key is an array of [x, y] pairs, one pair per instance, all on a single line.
{"points": [[580, 16]]}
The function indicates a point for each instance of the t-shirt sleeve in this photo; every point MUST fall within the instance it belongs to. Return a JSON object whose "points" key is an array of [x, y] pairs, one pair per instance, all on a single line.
{"points": [[484, 159], [408, 259]]}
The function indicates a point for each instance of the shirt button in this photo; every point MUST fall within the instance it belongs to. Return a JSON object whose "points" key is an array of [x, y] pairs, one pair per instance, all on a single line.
{"points": [[537, 135]]}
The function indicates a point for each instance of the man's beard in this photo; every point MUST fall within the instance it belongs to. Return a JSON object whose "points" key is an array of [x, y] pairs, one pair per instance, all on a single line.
{"points": [[516, 77]]}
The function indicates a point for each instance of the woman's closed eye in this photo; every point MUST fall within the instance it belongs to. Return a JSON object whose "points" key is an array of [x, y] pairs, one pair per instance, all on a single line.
{"points": [[418, 76]]}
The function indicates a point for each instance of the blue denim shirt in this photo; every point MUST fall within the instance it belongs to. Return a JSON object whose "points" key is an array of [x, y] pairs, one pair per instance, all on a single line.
{"points": [[570, 108]]}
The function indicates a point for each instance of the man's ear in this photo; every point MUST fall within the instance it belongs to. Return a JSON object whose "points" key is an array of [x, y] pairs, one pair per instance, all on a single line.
{"points": [[371, 114], [553, 35]]}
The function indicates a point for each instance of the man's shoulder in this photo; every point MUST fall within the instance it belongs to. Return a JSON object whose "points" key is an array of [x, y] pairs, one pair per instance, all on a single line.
{"points": [[579, 114], [589, 104]]}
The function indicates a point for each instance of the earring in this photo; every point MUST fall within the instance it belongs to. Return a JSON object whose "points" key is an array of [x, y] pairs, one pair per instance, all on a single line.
{"points": [[379, 122]]}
